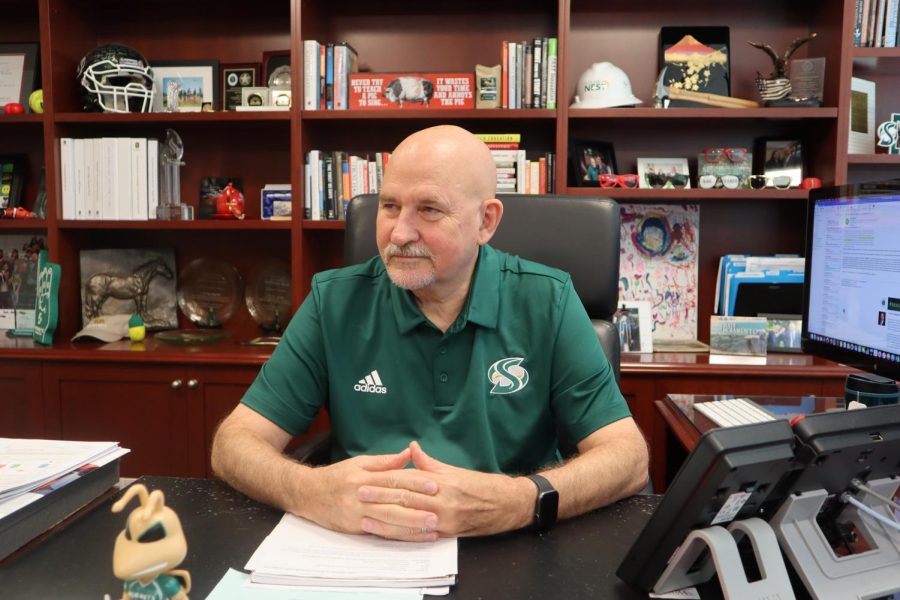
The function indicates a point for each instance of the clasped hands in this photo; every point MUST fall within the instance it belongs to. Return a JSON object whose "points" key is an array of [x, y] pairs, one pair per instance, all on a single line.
{"points": [[377, 495]]}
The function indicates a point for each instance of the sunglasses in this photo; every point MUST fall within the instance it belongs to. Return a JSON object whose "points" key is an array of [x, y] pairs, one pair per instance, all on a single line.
{"points": [[625, 181], [781, 182], [707, 182], [716, 155], [659, 180]]}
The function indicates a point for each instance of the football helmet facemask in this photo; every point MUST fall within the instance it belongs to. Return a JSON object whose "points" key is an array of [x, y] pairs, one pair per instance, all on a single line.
{"points": [[115, 78]]}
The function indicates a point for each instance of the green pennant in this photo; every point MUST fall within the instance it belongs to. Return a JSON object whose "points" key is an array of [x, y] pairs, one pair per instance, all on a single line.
{"points": [[46, 310]]}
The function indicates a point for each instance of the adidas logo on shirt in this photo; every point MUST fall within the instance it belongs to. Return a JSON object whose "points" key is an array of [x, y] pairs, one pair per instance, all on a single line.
{"points": [[371, 383]]}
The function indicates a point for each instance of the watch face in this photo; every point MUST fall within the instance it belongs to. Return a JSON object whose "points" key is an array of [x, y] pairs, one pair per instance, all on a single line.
{"points": [[548, 506]]}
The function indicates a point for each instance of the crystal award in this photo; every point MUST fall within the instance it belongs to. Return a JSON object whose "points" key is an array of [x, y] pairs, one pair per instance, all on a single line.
{"points": [[170, 207]]}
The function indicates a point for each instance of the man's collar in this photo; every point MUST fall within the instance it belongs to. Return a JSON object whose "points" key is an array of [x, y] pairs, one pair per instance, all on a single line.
{"points": [[481, 306]]}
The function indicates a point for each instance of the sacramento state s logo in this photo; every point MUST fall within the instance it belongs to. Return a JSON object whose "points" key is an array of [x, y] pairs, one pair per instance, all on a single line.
{"points": [[507, 375]]}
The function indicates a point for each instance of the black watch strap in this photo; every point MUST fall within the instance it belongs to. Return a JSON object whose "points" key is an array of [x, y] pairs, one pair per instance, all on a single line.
{"points": [[546, 505]]}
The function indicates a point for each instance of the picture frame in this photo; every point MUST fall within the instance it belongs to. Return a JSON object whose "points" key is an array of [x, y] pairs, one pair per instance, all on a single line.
{"points": [[18, 73], [861, 138], [186, 84], [272, 59], [589, 159], [777, 158], [12, 179], [665, 173], [696, 58], [234, 77], [635, 326], [257, 97]]}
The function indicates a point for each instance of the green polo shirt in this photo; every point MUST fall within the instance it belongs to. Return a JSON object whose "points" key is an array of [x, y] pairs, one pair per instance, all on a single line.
{"points": [[519, 374]]}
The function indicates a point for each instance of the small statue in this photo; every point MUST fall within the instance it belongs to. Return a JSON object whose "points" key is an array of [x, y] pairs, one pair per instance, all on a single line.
{"points": [[149, 548], [229, 203], [777, 85]]}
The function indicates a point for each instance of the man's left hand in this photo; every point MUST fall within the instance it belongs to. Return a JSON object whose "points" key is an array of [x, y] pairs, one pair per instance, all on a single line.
{"points": [[467, 502]]}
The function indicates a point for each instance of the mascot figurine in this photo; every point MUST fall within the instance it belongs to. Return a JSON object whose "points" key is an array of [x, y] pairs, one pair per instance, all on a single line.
{"points": [[149, 548], [229, 203]]}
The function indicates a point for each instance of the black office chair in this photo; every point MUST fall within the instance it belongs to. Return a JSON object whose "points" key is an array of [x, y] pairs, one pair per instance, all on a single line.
{"points": [[577, 235]]}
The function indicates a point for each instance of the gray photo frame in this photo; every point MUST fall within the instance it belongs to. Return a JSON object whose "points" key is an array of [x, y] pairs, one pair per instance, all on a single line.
{"points": [[194, 81], [18, 73]]}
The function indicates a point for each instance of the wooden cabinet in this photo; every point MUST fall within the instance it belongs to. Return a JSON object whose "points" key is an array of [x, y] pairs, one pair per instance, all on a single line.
{"points": [[21, 411], [165, 414]]}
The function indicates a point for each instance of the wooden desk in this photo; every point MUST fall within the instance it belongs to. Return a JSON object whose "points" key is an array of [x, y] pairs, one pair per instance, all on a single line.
{"points": [[577, 559], [683, 425]]}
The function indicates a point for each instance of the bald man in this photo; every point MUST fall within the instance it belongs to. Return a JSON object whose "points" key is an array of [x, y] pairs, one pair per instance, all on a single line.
{"points": [[453, 373]]}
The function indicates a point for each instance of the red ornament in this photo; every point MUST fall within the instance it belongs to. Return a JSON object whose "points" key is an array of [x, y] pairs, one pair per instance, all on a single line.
{"points": [[13, 108], [229, 204], [16, 213]]}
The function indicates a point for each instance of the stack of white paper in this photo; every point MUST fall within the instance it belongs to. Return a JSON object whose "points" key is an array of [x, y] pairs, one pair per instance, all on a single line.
{"points": [[300, 553], [28, 464]]}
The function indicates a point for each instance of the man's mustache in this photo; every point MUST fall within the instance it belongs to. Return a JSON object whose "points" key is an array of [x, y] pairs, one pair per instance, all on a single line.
{"points": [[407, 251]]}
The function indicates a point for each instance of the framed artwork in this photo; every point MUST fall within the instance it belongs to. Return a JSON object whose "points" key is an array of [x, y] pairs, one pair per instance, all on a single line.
{"points": [[18, 279], [861, 139], [235, 77], [183, 86], [127, 281], [588, 160], [18, 72], [666, 173], [12, 180], [781, 162], [634, 325], [272, 60], [696, 59]]}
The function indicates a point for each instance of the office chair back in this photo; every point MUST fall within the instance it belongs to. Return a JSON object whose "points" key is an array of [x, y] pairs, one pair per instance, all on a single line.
{"points": [[577, 235]]}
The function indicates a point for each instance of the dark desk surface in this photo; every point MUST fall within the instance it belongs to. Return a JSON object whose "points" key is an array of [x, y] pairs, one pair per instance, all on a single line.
{"points": [[577, 559]]}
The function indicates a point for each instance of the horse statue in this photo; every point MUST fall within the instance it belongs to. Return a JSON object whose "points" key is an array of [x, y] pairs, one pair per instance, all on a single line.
{"points": [[102, 286]]}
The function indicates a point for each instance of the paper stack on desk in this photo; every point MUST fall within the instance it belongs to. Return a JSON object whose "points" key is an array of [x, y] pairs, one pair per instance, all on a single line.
{"points": [[301, 553]]}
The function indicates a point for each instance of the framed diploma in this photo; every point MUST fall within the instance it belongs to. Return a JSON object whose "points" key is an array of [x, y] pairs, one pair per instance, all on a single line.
{"points": [[18, 72]]}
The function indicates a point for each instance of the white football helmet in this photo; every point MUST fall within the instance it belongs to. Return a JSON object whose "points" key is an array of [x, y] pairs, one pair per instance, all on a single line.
{"points": [[116, 78]]}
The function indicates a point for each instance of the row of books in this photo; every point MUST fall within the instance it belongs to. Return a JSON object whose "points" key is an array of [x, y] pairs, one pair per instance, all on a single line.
{"points": [[326, 74], [876, 24], [516, 174], [333, 178], [109, 178], [529, 71]]}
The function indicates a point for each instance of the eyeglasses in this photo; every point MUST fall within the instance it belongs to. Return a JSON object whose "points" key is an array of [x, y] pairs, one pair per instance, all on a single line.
{"points": [[626, 181], [730, 182], [659, 180], [715, 155], [781, 182]]}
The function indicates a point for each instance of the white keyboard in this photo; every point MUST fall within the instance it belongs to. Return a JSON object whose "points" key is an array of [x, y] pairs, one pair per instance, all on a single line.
{"points": [[733, 412]]}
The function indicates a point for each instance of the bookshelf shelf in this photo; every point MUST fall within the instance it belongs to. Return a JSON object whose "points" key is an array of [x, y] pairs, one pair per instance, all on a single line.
{"points": [[442, 114], [873, 159], [30, 118], [197, 225], [310, 224], [10, 225], [718, 195], [875, 52], [705, 113], [187, 117]]}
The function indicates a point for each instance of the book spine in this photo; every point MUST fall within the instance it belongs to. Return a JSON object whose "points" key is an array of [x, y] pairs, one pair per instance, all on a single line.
{"points": [[504, 78], [152, 178], [529, 63], [513, 86], [521, 175], [329, 187], [489, 138], [108, 209], [139, 173], [124, 182], [542, 183], [315, 170], [520, 75], [879, 25], [310, 75], [890, 28], [78, 163], [536, 71], [321, 76], [337, 182], [552, 59], [67, 175], [329, 77], [341, 60], [307, 189], [857, 23], [544, 70]]}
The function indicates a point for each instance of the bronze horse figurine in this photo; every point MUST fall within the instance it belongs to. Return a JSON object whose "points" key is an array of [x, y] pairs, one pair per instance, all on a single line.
{"points": [[102, 286]]}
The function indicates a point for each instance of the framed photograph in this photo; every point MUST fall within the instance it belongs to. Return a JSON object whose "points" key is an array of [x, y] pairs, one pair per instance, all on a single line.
{"points": [[781, 161], [695, 59], [18, 279], [271, 61], [635, 326], [235, 77], [861, 139], [666, 173], [18, 72], [588, 160], [183, 86], [12, 180]]}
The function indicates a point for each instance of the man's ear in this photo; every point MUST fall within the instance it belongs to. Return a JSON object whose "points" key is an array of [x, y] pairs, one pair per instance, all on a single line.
{"points": [[491, 213]]}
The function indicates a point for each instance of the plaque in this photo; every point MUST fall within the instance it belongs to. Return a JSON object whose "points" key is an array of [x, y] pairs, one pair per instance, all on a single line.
{"points": [[268, 295], [235, 77], [209, 291]]}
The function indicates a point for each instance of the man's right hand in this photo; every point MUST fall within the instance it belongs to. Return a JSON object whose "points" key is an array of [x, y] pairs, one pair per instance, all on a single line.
{"points": [[331, 495]]}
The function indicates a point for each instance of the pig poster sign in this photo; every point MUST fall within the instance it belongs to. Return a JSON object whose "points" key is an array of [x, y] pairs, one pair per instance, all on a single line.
{"points": [[412, 91]]}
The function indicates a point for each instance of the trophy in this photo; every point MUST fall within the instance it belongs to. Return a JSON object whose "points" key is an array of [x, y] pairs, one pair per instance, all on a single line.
{"points": [[209, 292], [170, 207], [268, 296]]}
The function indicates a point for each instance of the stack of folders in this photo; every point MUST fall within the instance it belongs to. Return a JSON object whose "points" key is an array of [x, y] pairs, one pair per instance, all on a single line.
{"points": [[44, 481], [737, 270], [302, 554]]}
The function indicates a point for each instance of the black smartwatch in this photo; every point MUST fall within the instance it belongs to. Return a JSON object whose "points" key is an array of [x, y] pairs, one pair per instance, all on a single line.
{"points": [[546, 505]]}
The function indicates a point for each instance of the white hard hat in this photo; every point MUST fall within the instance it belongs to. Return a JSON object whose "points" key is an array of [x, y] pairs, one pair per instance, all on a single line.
{"points": [[603, 85]]}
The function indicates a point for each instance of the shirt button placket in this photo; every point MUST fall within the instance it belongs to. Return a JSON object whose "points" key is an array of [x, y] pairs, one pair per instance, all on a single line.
{"points": [[443, 395]]}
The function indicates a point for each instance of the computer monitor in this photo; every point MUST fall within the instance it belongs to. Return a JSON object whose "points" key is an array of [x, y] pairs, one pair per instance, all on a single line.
{"points": [[851, 305], [732, 473]]}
